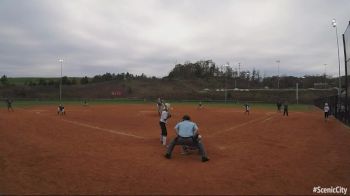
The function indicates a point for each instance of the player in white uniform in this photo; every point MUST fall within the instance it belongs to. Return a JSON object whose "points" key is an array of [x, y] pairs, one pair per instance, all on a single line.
{"points": [[326, 111], [247, 108], [200, 105], [165, 115]]}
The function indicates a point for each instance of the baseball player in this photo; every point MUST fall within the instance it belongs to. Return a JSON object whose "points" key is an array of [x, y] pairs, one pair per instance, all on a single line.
{"points": [[60, 110], [285, 108], [200, 105], [279, 104], [326, 111], [9, 105], [247, 108], [165, 115]]}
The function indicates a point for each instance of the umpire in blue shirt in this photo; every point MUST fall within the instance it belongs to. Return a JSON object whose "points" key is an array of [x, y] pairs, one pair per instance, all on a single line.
{"points": [[187, 134]]}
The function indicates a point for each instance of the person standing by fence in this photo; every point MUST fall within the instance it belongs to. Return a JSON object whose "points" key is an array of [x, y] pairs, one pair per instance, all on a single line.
{"points": [[326, 111], [285, 108]]}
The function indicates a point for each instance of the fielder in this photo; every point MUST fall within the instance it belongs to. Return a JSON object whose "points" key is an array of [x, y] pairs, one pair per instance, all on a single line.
{"points": [[285, 108], [60, 110], [200, 105], [9, 105], [247, 108]]}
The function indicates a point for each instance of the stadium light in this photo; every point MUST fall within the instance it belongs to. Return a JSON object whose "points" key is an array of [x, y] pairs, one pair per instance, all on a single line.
{"points": [[334, 24], [61, 61]]}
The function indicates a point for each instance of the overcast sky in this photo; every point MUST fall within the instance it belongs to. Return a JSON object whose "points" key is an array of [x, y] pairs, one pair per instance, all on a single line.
{"points": [[150, 36]]}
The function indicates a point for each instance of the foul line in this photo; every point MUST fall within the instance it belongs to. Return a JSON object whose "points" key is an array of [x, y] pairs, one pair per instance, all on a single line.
{"points": [[103, 129], [269, 118], [98, 128], [242, 125]]}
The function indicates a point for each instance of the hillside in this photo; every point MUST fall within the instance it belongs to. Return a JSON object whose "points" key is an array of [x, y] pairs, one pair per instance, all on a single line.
{"points": [[165, 88]]}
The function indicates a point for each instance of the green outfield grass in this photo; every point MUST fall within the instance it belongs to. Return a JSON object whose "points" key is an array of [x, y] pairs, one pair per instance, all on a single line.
{"points": [[29, 103], [267, 106], [22, 81]]}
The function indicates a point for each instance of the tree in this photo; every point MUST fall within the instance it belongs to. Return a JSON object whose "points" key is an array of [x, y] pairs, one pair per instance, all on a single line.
{"points": [[66, 81], [84, 80], [42, 82], [4, 80], [51, 82], [74, 81]]}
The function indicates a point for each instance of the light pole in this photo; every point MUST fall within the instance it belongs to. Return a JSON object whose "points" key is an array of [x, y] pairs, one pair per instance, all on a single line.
{"points": [[334, 24], [325, 75], [297, 92], [278, 73], [225, 75], [248, 78], [61, 61], [236, 77]]}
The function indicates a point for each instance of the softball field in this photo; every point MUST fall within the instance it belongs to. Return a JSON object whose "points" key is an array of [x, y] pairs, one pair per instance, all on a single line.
{"points": [[115, 149]]}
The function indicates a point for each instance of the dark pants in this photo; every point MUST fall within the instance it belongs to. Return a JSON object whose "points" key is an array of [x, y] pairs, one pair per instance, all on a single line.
{"points": [[189, 141], [326, 114], [285, 112], [163, 129]]}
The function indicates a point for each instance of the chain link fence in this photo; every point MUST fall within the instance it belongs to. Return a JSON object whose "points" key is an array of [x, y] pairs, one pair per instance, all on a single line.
{"points": [[338, 107]]}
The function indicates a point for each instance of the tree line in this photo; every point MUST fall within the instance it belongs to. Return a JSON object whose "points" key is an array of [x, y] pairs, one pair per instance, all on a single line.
{"points": [[4, 81], [227, 76], [203, 70]]}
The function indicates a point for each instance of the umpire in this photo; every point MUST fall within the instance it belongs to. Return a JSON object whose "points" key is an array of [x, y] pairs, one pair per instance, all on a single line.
{"points": [[187, 132]]}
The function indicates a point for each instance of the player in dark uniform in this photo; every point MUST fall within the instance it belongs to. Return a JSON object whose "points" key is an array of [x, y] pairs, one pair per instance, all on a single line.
{"points": [[279, 104], [9, 105], [285, 108], [60, 110]]}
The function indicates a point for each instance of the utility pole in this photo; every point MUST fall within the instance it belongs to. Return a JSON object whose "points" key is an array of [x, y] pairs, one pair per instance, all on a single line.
{"points": [[297, 92], [278, 73], [239, 70], [334, 24], [61, 61], [325, 76]]}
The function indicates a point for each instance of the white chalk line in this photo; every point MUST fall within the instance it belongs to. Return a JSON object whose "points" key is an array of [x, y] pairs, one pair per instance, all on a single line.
{"points": [[38, 110], [103, 129], [243, 124], [147, 111], [269, 118], [98, 128]]}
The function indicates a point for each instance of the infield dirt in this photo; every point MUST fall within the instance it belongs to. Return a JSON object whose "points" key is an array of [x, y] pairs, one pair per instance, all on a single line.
{"points": [[115, 149]]}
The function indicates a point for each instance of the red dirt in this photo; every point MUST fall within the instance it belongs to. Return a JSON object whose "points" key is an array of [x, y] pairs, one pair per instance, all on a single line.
{"points": [[86, 152]]}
